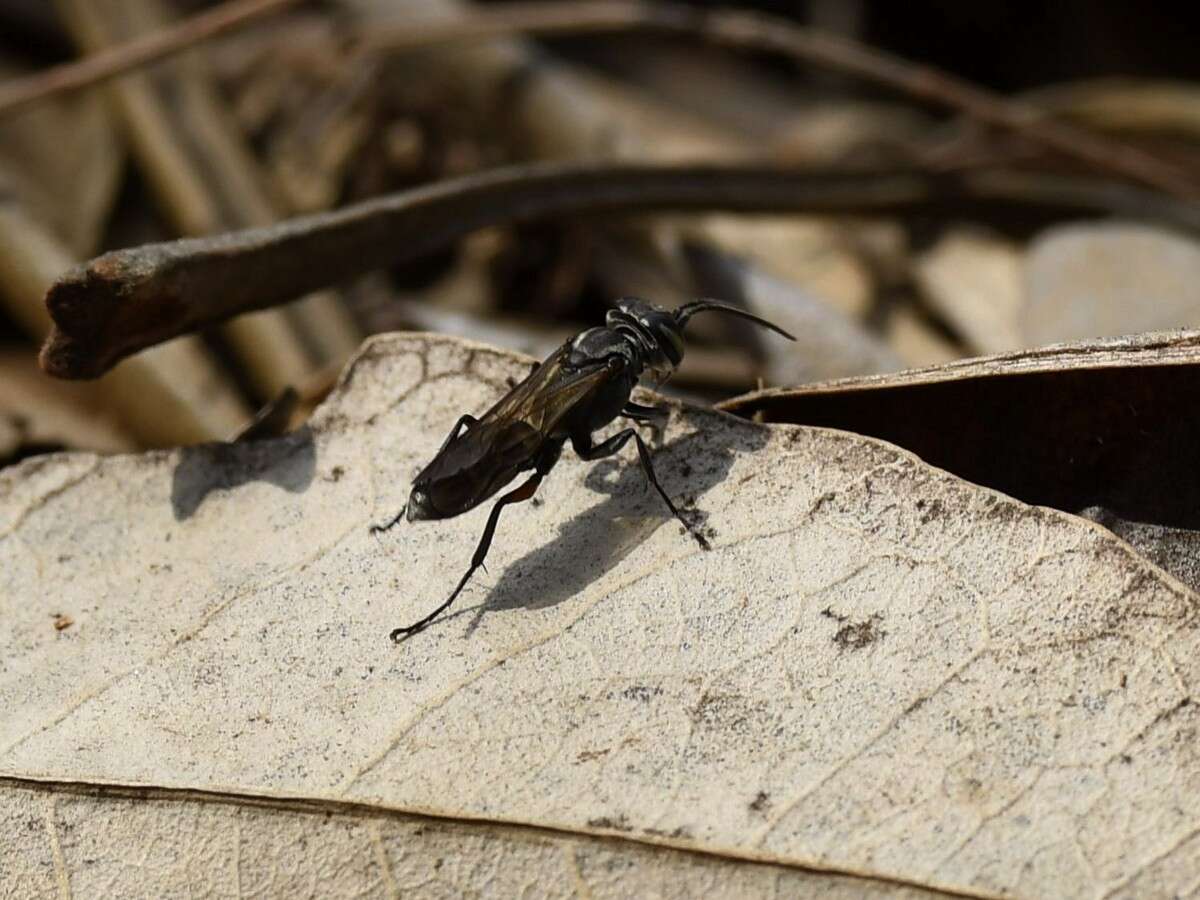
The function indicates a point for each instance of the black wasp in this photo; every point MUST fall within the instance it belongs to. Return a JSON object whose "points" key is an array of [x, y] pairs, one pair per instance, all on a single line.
{"points": [[579, 388]]}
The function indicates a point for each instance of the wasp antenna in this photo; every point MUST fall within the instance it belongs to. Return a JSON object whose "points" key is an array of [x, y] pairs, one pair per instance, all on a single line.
{"points": [[685, 312]]}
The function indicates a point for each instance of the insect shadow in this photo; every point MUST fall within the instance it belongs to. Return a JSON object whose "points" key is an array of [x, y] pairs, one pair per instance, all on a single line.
{"points": [[288, 462], [598, 539]]}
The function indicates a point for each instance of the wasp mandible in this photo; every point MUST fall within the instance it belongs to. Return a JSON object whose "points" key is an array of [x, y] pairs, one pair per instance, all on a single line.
{"points": [[579, 388]]}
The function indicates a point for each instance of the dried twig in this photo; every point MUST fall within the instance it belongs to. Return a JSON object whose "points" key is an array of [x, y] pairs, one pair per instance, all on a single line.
{"points": [[130, 299], [202, 173], [172, 395], [136, 53]]}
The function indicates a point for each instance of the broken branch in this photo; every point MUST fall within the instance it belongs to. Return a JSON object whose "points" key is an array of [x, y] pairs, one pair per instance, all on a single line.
{"points": [[127, 300]]}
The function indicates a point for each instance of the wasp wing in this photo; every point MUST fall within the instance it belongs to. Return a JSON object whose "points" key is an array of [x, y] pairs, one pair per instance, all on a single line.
{"points": [[549, 393], [509, 437], [515, 428]]}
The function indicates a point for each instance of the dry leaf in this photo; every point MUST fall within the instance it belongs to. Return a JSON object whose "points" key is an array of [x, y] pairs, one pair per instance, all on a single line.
{"points": [[973, 280], [53, 412], [1093, 280], [880, 670], [828, 343], [1102, 428]]}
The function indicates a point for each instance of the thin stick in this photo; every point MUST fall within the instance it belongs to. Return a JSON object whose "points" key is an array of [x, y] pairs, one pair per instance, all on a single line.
{"points": [[128, 300], [98, 67], [755, 31]]}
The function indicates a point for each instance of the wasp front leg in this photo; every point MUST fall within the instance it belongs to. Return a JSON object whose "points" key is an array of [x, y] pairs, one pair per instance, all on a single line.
{"points": [[585, 449]]}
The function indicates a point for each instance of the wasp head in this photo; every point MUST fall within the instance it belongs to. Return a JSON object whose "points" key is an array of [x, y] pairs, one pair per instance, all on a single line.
{"points": [[656, 330]]}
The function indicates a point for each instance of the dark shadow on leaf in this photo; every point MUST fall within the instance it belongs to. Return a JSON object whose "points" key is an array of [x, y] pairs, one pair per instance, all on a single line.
{"points": [[288, 462], [597, 540]]}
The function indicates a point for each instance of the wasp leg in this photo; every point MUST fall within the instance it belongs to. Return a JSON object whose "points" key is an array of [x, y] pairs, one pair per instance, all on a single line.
{"points": [[376, 529], [655, 416], [512, 382], [463, 422], [545, 462], [585, 449]]}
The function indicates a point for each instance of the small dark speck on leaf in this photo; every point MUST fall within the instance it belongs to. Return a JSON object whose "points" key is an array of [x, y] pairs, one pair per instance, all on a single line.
{"points": [[929, 511], [857, 635], [761, 802], [679, 832], [62, 621], [640, 692], [620, 823], [826, 497]]}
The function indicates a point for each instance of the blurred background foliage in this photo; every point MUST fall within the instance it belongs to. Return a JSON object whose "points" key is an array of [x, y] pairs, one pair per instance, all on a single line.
{"points": [[292, 115]]}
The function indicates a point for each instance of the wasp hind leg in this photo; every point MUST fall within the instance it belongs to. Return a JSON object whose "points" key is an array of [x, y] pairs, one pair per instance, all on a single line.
{"points": [[547, 459], [585, 449]]}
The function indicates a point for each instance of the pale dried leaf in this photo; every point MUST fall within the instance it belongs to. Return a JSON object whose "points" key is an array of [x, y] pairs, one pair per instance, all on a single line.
{"points": [[55, 412], [1098, 280], [973, 279], [880, 669], [63, 161], [810, 253], [1101, 428], [154, 843]]}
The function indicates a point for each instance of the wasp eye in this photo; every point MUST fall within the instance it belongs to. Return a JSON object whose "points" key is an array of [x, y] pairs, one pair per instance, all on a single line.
{"points": [[671, 342]]}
